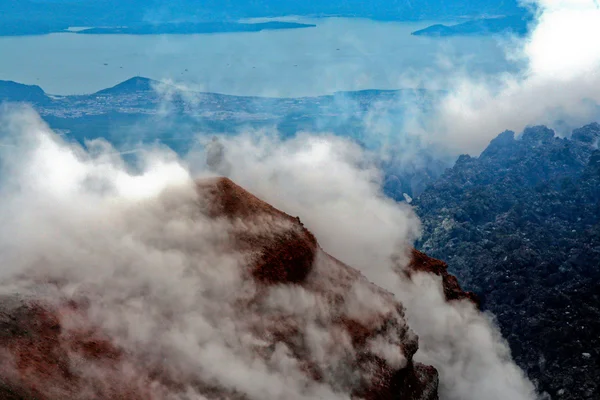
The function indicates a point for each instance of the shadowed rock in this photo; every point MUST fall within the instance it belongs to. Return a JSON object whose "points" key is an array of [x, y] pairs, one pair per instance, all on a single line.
{"points": [[520, 226]]}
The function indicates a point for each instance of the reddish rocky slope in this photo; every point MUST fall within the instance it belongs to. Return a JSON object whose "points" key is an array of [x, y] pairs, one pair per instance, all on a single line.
{"points": [[43, 351]]}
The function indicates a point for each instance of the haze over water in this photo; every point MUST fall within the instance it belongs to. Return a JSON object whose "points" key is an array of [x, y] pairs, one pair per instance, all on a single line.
{"points": [[339, 54]]}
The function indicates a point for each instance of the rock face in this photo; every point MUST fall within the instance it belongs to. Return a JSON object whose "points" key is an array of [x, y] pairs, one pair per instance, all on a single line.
{"points": [[420, 262], [50, 349], [520, 225]]}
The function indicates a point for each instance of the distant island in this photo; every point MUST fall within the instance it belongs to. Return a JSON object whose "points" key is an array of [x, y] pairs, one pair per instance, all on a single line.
{"points": [[153, 29], [514, 24], [194, 28]]}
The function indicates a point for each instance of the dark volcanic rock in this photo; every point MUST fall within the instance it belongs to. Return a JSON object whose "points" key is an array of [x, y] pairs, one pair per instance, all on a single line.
{"points": [[588, 134], [520, 226], [539, 134]]}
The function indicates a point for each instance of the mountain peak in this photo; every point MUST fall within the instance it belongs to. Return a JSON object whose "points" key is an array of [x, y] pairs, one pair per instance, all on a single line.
{"points": [[537, 133], [502, 142], [291, 283], [135, 84], [13, 91], [587, 134]]}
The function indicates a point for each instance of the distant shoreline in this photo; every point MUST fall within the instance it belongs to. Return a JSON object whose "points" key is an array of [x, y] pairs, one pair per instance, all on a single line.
{"points": [[158, 29], [16, 91]]}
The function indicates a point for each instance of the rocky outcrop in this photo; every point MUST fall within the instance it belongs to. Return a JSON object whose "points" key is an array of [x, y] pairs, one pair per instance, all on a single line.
{"points": [[51, 350], [284, 256], [40, 357], [420, 262], [520, 226]]}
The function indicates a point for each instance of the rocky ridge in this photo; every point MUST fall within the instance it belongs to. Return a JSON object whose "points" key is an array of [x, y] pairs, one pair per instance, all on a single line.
{"points": [[520, 225]]}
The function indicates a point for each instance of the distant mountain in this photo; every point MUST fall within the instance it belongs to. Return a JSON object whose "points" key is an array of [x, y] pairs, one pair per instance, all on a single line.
{"points": [[133, 109], [142, 84], [17, 92], [521, 225], [515, 24], [132, 85]]}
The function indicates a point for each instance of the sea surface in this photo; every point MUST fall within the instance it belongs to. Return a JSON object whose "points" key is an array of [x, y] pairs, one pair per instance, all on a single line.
{"points": [[340, 54]]}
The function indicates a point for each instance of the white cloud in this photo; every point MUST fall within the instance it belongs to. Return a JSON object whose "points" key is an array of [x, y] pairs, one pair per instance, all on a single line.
{"points": [[163, 279], [331, 185], [560, 82]]}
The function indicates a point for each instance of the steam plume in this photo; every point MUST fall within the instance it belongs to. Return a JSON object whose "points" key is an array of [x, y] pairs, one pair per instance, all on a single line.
{"points": [[160, 279]]}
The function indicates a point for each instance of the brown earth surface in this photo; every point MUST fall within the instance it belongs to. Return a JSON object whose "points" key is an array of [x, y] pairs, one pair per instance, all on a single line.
{"points": [[42, 352]]}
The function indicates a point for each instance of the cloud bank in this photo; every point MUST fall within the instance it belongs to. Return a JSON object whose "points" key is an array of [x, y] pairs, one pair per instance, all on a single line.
{"points": [[331, 184], [129, 238], [559, 84]]}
